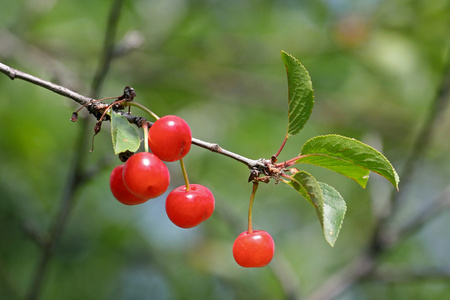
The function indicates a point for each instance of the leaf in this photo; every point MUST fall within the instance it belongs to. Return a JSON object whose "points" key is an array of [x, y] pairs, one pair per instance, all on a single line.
{"points": [[348, 157], [301, 97], [308, 187], [334, 209], [329, 204], [124, 135]]}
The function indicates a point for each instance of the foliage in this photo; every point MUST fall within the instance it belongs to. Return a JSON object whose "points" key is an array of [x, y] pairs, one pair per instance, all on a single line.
{"points": [[375, 68], [124, 135]]}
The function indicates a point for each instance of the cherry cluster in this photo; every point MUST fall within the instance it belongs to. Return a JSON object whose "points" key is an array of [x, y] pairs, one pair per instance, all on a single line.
{"points": [[145, 176]]}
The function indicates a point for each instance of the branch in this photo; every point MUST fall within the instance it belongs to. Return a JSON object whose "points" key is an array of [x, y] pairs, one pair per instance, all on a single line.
{"points": [[251, 163], [97, 109], [13, 74]]}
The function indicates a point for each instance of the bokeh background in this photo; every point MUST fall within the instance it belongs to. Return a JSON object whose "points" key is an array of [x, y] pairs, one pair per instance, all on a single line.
{"points": [[376, 67]]}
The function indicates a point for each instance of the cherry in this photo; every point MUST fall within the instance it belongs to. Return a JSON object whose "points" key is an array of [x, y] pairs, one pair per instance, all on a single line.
{"points": [[188, 208], [120, 191], [170, 138], [253, 249], [145, 175]]}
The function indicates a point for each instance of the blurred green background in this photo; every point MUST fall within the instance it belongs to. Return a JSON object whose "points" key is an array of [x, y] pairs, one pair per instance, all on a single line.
{"points": [[375, 67]]}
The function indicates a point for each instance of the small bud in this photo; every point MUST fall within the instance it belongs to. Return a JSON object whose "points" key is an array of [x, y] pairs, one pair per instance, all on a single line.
{"points": [[74, 117], [97, 127], [129, 93], [254, 174]]}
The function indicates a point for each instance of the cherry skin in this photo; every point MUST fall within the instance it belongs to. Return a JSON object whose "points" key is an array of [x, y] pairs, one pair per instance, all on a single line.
{"points": [[253, 250], [187, 209], [169, 138], [120, 191], [145, 175]]}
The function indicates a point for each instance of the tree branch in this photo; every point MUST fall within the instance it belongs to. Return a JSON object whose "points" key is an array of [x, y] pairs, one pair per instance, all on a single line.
{"points": [[14, 73], [251, 163], [97, 109]]}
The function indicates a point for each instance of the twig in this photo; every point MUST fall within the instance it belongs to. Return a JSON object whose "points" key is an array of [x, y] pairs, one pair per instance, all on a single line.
{"points": [[92, 108], [13, 74], [251, 163], [78, 98], [33, 57]]}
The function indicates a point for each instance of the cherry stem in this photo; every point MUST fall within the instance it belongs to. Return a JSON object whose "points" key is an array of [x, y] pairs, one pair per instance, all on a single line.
{"points": [[289, 162], [155, 116], [145, 128], [282, 145], [186, 180], [250, 207], [287, 177]]}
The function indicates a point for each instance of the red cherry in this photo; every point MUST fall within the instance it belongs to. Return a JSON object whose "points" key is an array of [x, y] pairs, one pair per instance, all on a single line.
{"points": [[120, 191], [253, 250], [187, 209], [169, 138], [145, 175]]}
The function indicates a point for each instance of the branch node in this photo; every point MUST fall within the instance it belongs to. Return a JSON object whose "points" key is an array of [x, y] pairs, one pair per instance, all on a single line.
{"points": [[12, 73], [216, 148]]}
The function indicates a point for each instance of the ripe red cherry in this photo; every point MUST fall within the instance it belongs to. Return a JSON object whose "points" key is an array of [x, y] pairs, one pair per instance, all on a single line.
{"points": [[120, 191], [145, 175], [169, 138], [187, 209], [253, 250]]}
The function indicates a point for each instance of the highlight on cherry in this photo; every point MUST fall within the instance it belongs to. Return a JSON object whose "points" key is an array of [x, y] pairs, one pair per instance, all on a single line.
{"points": [[143, 174]]}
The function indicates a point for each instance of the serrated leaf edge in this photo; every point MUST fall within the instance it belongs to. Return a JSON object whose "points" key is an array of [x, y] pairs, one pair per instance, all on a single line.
{"points": [[289, 133], [396, 177]]}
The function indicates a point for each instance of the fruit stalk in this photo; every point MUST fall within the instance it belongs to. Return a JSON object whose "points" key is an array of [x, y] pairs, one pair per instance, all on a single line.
{"points": [[250, 207], [186, 180], [155, 116], [145, 128]]}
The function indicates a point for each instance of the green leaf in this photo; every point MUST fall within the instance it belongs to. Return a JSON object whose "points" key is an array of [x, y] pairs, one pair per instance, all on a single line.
{"points": [[124, 135], [308, 187], [301, 97], [329, 204], [348, 157], [334, 209]]}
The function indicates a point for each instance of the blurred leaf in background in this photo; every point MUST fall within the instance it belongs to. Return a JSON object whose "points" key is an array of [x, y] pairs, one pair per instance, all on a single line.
{"points": [[375, 67]]}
